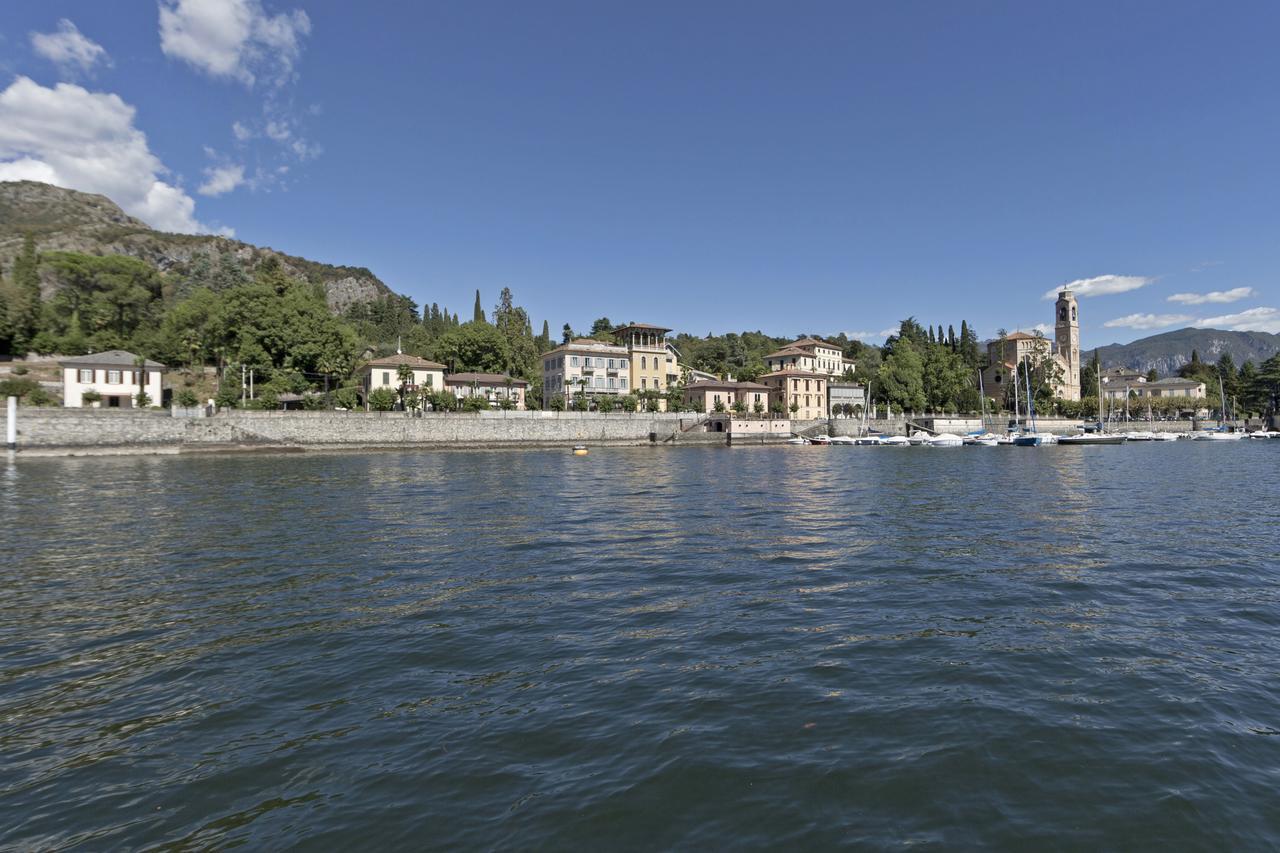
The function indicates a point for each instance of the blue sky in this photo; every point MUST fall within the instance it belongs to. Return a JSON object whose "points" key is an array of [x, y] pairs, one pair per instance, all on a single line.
{"points": [[712, 166]]}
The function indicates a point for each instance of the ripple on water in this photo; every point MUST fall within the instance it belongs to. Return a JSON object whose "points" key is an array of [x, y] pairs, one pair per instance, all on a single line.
{"points": [[643, 649]]}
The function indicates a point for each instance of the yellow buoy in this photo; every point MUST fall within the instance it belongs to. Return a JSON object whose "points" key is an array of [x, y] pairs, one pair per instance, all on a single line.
{"points": [[579, 450]]}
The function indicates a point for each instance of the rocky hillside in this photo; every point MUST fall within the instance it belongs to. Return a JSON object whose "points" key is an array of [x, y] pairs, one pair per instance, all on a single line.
{"points": [[67, 220], [1169, 351]]}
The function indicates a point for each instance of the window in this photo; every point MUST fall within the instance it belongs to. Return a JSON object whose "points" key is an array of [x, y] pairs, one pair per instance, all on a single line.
{"points": [[611, 364], [644, 382], [622, 363], [86, 375], [113, 377], [573, 361], [430, 380], [643, 363]]}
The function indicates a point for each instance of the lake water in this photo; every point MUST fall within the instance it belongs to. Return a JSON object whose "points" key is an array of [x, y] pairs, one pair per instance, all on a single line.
{"points": [[1063, 648]]}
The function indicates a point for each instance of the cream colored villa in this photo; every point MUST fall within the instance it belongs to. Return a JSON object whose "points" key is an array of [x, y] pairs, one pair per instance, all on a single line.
{"points": [[586, 366], [494, 387], [812, 356], [114, 375], [385, 373]]}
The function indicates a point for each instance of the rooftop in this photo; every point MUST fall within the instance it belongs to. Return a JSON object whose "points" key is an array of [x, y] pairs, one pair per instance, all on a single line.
{"points": [[644, 327], [591, 344], [411, 361], [482, 379], [110, 358]]}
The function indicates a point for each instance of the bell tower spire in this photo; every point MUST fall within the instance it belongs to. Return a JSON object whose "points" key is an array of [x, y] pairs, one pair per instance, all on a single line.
{"points": [[1066, 340]]}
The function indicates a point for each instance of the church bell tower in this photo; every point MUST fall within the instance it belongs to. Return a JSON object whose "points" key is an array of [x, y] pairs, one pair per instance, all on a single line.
{"points": [[1066, 339]]}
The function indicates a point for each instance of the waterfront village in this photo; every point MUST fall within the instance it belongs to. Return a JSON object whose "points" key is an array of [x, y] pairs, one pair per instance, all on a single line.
{"points": [[637, 367]]}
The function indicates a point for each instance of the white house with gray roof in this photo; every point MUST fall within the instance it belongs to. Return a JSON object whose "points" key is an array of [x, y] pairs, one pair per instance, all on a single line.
{"points": [[116, 375]]}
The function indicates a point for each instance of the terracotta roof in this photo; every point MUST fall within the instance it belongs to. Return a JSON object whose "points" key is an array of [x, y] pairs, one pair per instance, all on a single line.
{"points": [[752, 386], [411, 361], [792, 372], [790, 349], [814, 342], [110, 358], [482, 379]]}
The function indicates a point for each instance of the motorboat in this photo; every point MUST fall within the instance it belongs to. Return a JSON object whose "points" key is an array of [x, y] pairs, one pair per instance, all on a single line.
{"points": [[820, 439], [1164, 436], [1093, 438], [982, 439], [1140, 435], [1028, 439], [946, 439], [797, 440], [918, 438], [895, 441], [1264, 433], [1218, 435], [844, 440], [868, 440]]}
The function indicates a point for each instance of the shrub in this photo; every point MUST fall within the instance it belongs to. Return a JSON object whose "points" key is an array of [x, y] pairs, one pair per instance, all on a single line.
{"points": [[475, 403], [40, 397], [382, 399], [556, 403], [90, 397], [20, 370], [347, 398], [629, 403], [185, 397], [606, 403]]}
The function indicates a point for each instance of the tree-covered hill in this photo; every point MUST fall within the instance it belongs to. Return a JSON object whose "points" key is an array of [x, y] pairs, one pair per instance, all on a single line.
{"points": [[62, 220]]}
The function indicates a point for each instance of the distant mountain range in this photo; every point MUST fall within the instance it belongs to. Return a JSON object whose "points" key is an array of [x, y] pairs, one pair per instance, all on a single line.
{"points": [[1168, 351], [68, 220]]}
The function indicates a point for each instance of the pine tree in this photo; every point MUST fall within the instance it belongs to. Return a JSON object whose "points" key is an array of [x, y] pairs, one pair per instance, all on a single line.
{"points": [[951, 337], [478, 314], [567, 333]]}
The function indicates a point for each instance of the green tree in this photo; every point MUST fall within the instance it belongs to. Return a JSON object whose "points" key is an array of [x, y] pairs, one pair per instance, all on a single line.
{"points": [[602, 330], [901, 377], [477, 314], [24, 304], [382, 399], [474, 347]]}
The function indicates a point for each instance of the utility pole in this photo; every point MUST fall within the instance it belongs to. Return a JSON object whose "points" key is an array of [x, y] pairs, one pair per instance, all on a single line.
{"points": [[243, 387], [251, 383], [11, 425]]}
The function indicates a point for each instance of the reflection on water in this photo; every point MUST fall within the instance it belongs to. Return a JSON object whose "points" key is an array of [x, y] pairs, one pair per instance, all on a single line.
{"points": [[648, 647]]}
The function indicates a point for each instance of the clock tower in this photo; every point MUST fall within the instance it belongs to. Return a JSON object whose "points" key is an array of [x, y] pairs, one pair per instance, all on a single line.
{"points": [[1066, 340]]}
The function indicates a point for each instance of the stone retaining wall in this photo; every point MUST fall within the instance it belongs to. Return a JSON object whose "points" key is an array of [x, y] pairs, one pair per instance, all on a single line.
{"points": [[101, 430]]}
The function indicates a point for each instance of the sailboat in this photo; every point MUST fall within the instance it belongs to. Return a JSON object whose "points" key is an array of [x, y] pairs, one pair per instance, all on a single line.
{"points": [[1221, 433], [985, 438], [1099, 437], [1030, 438]]}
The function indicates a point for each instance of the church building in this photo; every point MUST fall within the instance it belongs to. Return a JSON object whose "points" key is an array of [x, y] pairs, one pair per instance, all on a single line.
{"points": [[1004, 353]]}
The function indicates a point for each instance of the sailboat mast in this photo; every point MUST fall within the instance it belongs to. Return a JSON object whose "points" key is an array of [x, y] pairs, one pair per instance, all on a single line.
{"points": [[1015, 393], [982, 398], [1031, 406]]}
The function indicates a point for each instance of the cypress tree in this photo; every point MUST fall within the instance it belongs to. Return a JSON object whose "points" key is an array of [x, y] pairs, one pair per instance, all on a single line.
{"points": [[24, 310], [478, 314]]}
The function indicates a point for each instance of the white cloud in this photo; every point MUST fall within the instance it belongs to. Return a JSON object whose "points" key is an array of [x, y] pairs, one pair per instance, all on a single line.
{"points": [[1233, 295], [1252, 320], [872, 337], [221, 179], [1102, 285], [278, 130], [86, 141], [233, 39], [240, 132], [69, 49], [1148, 321]]}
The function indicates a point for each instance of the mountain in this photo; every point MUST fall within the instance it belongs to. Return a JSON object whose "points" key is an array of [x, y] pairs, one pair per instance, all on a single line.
{"points": [[68, 220], [1168, 351]]}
